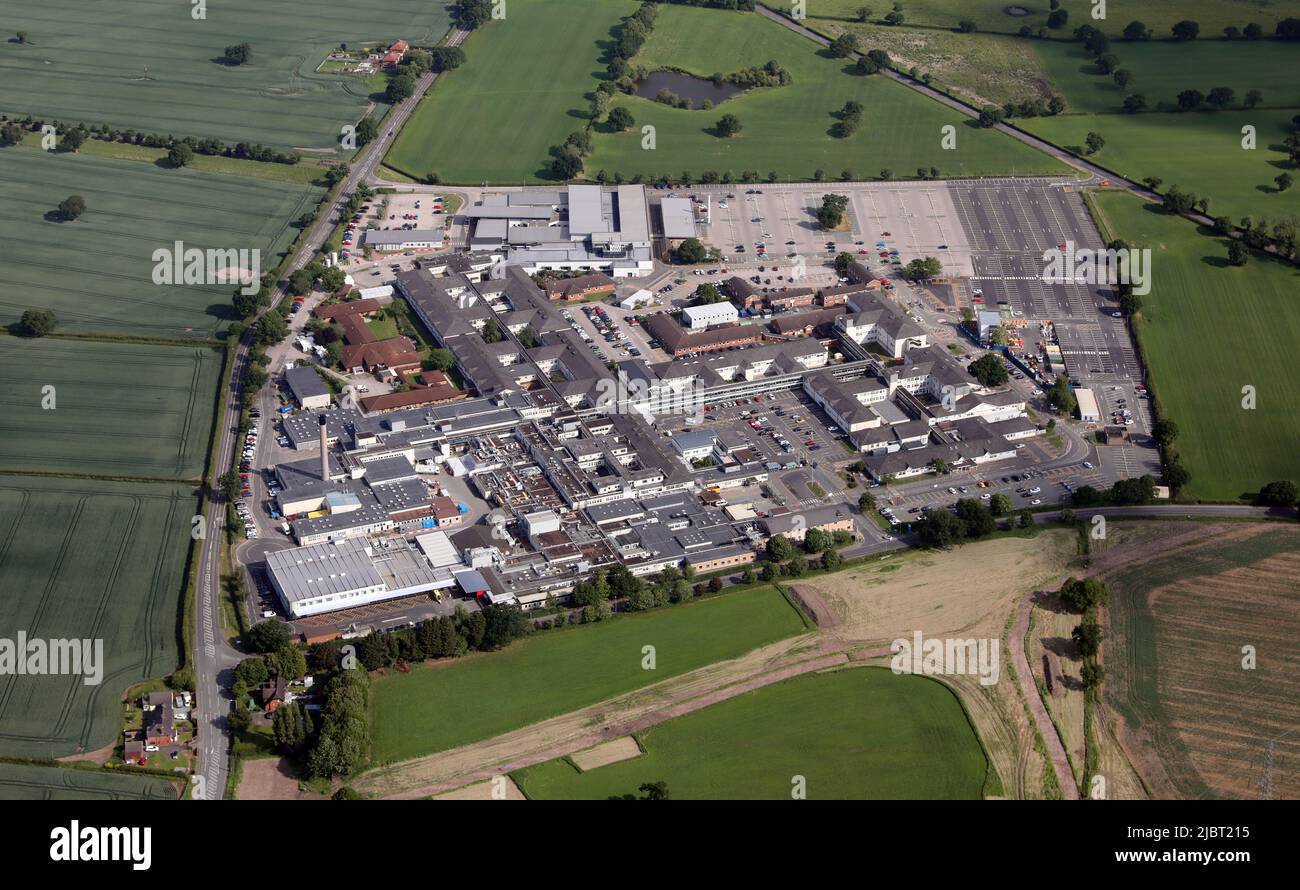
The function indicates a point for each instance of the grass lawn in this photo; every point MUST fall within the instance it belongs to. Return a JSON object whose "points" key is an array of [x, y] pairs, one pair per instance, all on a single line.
{"points": [[438, 707], [149, 66], [22, 781], [1207, 330], [1162, 70], [858, 733], [991, 15], [519, 92], [119, 409], [81, 559], [1208, 159], [96, 273], [787, 129]]}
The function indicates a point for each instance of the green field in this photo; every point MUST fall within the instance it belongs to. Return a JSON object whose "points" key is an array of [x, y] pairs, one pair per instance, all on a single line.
{"points": [[119, 409], [20, 781], [519, 92], [438, 707], [787, 129], [148, 65], [88, 560], [1207, 330], [96, 273], [855, 734], [1163, 70], [990, 15]]}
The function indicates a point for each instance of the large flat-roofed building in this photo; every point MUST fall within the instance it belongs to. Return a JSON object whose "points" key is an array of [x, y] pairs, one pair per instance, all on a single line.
{"points": [[404, 239], [309, 391], [678, 219], [1089, 412], [585, 228], [698, 318], [346, 574]]}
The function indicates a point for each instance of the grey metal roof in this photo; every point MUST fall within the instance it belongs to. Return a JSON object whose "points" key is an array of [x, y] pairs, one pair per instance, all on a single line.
{"points": [[322, 569]]}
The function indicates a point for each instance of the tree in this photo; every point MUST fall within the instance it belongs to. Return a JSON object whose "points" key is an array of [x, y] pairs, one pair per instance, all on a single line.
{"points": [[400, 88], [844, 46], [1091, 674], [815, 540], [1000, 504], [863, 14], [1083, 595], [620, 120], [251, 672], [73, 139], [1221, 97], [728, 125], [1057, 19], [291, 726], [941, 529], [72, 207], [229, 484], [989, 370], [866, 502], [923, 269], [180, 154], [966, 26], [1237, 253], [1094, 142], [779, 548], [1136, 31], [238, 54], [707, 295], [22, 37], [1122, 77], [446, 58], [831, 214], [267, 636], [1087, 637], [492, 330], [1061, 397], [567, 164], [1164, 431], [1253, 98], [1284, 181], [1135, 103], [831, 559], [287, 662], [1189, 100], [471, 14], [1282, 493], [748, 576], [37, 323], [975, 517], [653, 791], [1186, 30], [691, 251], [440, 360], [10, 133], [1253, 31], [271, 328]]}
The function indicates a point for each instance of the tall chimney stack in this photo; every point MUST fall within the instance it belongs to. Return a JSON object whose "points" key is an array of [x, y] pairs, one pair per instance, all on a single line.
{"points": [[324, 452]]}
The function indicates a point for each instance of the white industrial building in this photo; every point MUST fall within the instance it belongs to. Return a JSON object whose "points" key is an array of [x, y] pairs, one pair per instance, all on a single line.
{"points": [[345, 574], [697, 318], [679, 218], [309, 391], [1089, 412], [403, 239]]}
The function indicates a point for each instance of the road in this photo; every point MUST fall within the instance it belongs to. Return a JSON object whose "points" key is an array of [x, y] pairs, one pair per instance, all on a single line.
{"points": [[213, 654]]}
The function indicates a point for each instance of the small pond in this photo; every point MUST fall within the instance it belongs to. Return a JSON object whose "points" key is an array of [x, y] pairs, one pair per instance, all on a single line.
{"points": [[687, 87]]}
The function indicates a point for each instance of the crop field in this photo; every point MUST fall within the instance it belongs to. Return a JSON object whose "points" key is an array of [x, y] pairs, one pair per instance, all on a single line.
{"points": [[119, 409], [787, 129], [148, 65], [858, 734], [21, 781], [1208, 330], [991, 15], [437, 707], [1198, 722], [520, 91], [81, 559], [96, 273]]}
